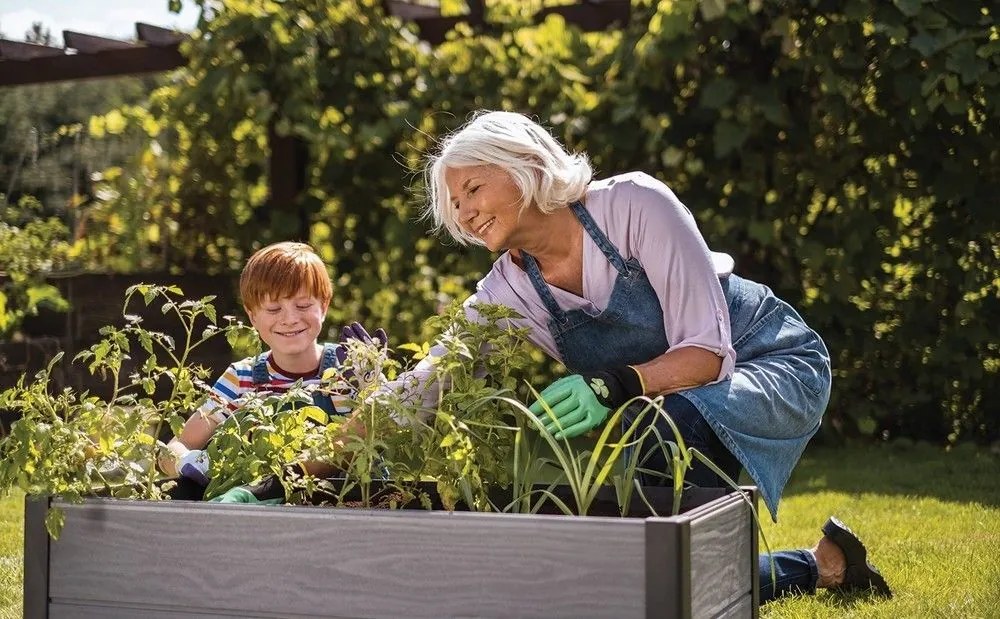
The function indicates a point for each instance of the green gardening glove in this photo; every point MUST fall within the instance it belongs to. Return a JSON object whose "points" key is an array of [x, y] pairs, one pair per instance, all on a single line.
{"points": [[579, 403], [268, 491], [241, 494]]}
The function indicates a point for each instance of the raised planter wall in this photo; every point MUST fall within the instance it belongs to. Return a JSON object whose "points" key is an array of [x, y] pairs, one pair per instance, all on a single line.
{"points": [[117, 559]]}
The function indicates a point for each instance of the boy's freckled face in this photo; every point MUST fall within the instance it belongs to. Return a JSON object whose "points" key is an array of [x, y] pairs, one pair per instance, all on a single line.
{"points": [[289, 326]]}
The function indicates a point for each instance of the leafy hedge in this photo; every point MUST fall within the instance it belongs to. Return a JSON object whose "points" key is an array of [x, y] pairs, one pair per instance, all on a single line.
{"points": [[844, 152]]}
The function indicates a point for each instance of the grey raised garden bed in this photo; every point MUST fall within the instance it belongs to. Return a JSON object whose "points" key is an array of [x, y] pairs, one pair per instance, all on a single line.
{"points": [[117, 559]]}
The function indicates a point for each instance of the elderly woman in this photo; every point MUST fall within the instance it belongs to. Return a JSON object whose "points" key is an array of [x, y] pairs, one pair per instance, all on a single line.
{"points": [[614, 279]]}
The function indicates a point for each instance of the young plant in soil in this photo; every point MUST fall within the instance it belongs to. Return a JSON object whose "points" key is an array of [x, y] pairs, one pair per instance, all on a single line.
{"points": [[463, 443], [74, 444], [478, 442]]}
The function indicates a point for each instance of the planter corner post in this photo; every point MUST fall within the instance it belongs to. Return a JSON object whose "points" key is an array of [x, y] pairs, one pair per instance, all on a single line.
{"points": [[36, 558]]}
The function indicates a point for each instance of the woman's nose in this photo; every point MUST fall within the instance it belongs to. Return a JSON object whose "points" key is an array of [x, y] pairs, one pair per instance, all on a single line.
{"points": [[466, 212]]}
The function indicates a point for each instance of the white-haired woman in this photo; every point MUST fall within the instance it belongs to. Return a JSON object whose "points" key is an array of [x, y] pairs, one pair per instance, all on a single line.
{"points": [[614, 279]]}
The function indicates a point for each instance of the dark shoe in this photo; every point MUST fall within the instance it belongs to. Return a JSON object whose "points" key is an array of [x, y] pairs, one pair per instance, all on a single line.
{"points": [[860, 574]]}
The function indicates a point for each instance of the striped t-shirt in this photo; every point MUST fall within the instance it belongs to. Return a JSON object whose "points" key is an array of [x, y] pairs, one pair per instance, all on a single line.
{"points": [[231, 389]]}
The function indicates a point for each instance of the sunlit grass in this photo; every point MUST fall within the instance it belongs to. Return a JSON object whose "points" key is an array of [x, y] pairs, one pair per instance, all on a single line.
{"points": [[11, 555], [930, 519]]}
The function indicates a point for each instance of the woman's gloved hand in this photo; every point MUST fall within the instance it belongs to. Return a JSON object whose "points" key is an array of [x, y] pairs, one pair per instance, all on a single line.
{"points": [[581, 402], [357, 331], [362, 369]]}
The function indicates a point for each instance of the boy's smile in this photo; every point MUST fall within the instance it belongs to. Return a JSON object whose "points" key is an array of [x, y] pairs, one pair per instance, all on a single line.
{"points": [[290, 328]]}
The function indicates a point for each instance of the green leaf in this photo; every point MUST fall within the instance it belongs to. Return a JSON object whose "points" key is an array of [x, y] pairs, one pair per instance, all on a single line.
{"points": [[729, 137], [962, 59], [718, 93], [910, 8], [925, 43]]}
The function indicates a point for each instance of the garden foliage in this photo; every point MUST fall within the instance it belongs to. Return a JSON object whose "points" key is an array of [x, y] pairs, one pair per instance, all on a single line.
{"points": [[475, 441], [843, 152], [31, 246]]}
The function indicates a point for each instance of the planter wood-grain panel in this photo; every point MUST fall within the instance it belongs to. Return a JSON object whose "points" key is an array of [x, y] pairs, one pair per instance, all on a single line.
{"points": [[119, 558]]}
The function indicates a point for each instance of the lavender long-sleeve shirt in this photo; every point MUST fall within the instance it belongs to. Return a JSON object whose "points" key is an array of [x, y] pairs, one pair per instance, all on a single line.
{"points": [[644, 220]]}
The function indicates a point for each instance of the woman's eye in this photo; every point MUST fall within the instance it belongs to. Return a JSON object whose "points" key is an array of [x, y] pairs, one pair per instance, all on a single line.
{"points": [[474, 189]]}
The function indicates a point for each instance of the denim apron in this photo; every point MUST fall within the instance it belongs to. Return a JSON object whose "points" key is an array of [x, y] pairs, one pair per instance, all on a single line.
{"points": [[261, 376], [780, 386]]}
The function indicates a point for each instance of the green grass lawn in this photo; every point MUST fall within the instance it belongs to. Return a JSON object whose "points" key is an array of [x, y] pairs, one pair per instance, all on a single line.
{"points": [[931, 521], [11, 555]]}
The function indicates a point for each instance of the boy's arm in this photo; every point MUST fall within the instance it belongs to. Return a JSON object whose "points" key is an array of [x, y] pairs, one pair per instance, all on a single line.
{"points": [[198, 429], [195, 434]]}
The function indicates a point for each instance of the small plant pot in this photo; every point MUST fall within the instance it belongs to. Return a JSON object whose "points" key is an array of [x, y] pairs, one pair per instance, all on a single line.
{"points": [[118, 558]]}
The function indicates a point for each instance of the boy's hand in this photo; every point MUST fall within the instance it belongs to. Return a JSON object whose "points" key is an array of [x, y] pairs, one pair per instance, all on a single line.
{"points": [[194, 466]]}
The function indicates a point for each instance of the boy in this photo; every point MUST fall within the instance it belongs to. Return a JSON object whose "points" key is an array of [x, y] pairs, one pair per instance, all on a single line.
{"points": [[286, 291]]}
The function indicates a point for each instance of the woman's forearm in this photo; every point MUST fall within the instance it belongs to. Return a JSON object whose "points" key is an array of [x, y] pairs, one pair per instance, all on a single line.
{"points": [[679, 369]]}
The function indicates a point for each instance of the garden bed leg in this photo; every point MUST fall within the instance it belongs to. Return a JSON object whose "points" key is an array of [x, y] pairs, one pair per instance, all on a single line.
{"points": [[36, 558]]}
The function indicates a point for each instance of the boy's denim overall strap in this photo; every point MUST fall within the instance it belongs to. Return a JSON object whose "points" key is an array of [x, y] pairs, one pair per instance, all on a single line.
{"points": [[262, 377], [329, 360], [260, 374]]}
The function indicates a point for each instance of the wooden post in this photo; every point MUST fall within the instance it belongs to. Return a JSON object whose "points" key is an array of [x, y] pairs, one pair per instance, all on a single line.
{"points": [[36, 559]]}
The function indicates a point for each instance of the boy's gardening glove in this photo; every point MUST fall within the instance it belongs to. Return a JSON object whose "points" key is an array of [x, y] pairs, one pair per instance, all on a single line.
{"points": [[581, 402], [194, 466], [362, 369], [268, 491]]}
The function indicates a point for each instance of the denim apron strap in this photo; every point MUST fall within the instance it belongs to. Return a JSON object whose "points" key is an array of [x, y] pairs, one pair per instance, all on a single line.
{"points": [[600, 239], [630, 329], [535, 275]]}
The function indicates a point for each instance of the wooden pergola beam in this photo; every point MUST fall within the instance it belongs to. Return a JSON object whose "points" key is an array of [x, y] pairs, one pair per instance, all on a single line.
{"points": [[156, 35], [406, 10], [19, 50], [591, 15], [91, 44], [110, 63]]}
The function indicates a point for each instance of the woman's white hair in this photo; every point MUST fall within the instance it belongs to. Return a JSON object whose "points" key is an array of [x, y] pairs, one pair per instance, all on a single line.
{"points": [[547, 176]]}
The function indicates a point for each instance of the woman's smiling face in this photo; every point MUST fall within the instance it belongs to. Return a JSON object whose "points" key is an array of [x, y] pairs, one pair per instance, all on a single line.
{"points": [[487, 204]]}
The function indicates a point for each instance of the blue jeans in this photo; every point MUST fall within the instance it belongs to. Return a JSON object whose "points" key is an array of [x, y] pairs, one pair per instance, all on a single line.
{"points": [[795, 570]]}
